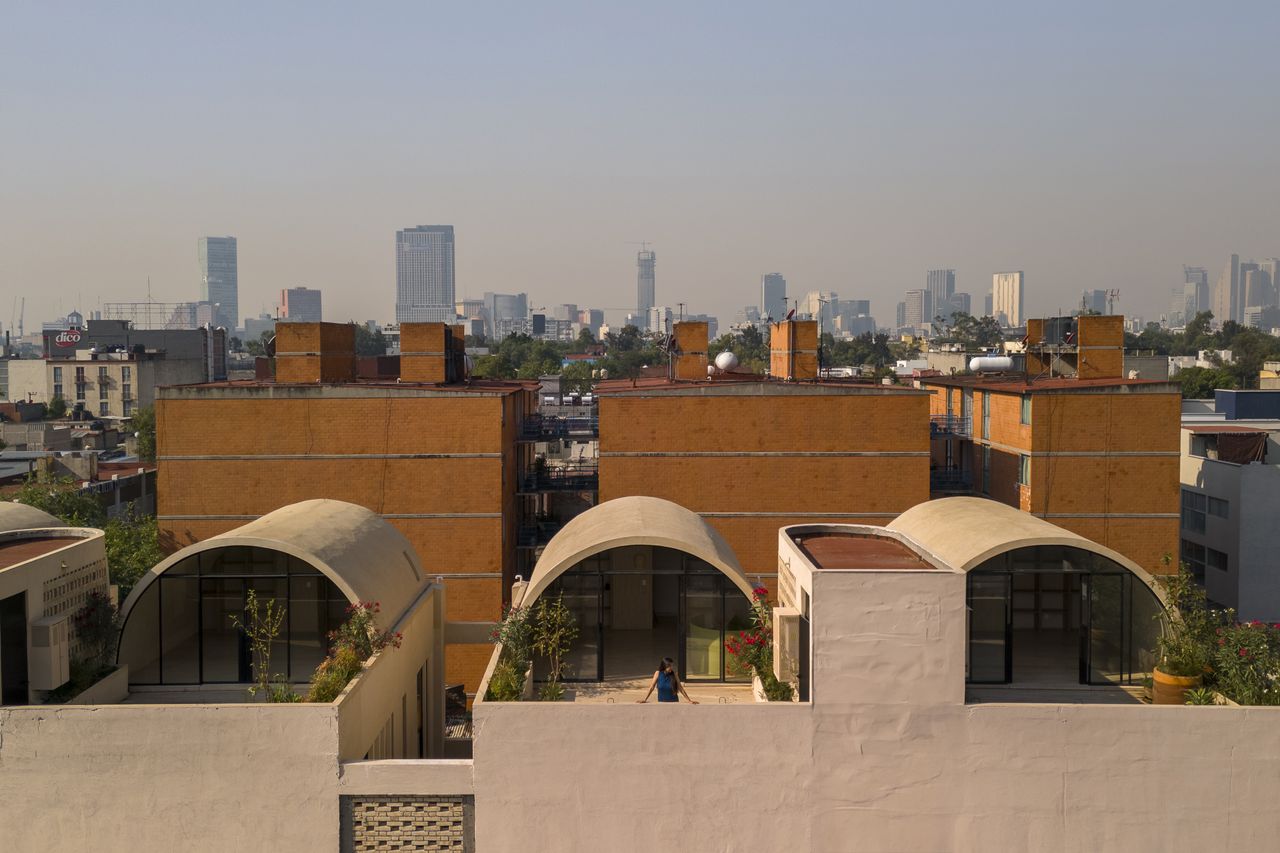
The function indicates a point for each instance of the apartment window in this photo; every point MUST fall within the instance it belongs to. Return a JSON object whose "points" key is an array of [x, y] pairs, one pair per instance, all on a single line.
{"points": [[947, 393], [1026, 409], [1218, 507], [986, 470], [80, 383], [126, 391], [126, 373], [966, 406], [128, 408], [57, 382], [1024, 470], [103, 409], [102, 374], [986, 415], [1193, 555], [1193, 511], [1215, 559]]}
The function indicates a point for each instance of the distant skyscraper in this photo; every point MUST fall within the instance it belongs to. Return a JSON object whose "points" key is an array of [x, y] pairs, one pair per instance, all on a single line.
{"points": [[658, 319], [1255, 282], [961, 303], [986, 305], [300, 305], [1095, 301], [855, 306], [424, 274], [1195, 292], [1228, 300], [941, 285], [505, 314], [646, 281], [1271, 267], [901, 315], [919, 309], [1006, 297], [773, 296], [220, 280]]}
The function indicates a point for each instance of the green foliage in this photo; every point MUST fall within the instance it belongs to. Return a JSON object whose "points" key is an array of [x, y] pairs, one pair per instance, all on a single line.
{"points": [[133, 548], [369, 342], [1246, 662], [551, 691], [515, 634], [974, 333], [1199, 383], [576, 378], [554, 630], [261, 625], [57, 408], [259, 346], [585, 339], [507, 682], [143, 423], [1201, 696], [235, 344], [98, 629], [61, 497], [1184, 644], [84, 674], [356, 640], [752, 650]]}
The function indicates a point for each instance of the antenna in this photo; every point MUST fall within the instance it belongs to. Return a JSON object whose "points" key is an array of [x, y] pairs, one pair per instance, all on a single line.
{"points": [[1112, 296]]}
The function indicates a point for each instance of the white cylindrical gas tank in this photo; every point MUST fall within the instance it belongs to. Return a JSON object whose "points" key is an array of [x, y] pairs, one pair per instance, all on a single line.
{"points": [[990, 363], [726, 360]]}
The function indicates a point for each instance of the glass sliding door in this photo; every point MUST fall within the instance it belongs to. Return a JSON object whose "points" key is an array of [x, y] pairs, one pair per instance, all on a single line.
{"points": [[704, 628], [1107, 602], [990, 653], [581, 591]]}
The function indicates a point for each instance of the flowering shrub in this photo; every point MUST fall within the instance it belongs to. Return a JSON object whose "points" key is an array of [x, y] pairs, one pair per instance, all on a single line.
{"points": [[751, 651], [356, 640], [1246, 662]]}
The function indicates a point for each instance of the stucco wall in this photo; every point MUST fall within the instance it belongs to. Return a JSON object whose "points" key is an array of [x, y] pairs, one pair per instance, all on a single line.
{"points": [[886, 758], [163, 778]]}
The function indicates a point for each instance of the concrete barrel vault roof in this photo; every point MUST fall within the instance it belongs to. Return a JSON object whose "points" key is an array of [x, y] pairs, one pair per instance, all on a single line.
{"points": [[966, 532], [16, 516], [636, 520], [367, 558]]}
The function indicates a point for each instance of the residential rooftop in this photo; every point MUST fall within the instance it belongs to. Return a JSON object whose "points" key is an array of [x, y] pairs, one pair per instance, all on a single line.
{"points": [[1019, 384], [745, 384], [18, 550], [850, 551], [473, 386]]}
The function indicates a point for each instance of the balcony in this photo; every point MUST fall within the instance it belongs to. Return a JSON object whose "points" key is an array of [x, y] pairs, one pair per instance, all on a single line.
{"points": [[946, 425], [551, 427], [566, 478], [536, 534], [952, 480]]}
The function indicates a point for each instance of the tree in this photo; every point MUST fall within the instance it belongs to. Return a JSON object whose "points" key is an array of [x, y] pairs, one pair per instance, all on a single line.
{"points": [[133, 548], [497, 366], [576, 378], [259, 346], [143, 424], [261, 626], [235, 344], [57, 408], [585, 339], [368, 341], [554, 630], [1199, 383], [626, 339], [61, 497]]}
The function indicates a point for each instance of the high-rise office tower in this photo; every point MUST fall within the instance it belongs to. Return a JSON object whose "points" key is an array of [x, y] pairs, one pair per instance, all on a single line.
{"points": [[300, 305], [901, 315], [773, 296], [220, 280], [986, 305], [424, 274], [941, 285], [961, 303], [646, 281], [1195, 292], [855, 306], [918, 313], [1006, 297], [1228, 300], [1255, 283], [1271, 266], [1094, 302]]}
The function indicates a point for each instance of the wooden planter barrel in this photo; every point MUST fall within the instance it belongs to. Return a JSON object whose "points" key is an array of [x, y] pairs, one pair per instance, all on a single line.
{"points": [[1172, 689]]}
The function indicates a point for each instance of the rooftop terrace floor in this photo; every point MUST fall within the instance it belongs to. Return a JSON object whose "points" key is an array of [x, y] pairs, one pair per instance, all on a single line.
{"points": [[623, 691]]}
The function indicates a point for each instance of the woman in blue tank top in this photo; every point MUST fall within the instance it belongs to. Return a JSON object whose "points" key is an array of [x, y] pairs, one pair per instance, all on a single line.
{"points": [[667, 684]]}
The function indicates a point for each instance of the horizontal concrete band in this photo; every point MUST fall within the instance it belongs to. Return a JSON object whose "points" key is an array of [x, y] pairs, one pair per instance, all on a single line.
{"points": [[1106, 514], [292, 457], [411, 354], [390, 515], [986, 442], [825, 454]]}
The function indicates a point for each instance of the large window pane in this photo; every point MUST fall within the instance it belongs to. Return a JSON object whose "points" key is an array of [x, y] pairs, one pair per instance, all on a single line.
{"points": [[277, 590], [179, 629], [140, 642], [704, 639], [582, 597], [224, 653], [308, 624], [1107, 611], [988, 624]]}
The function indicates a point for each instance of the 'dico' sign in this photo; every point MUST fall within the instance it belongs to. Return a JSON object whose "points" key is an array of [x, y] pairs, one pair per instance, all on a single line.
{"points": [[68, 338]]}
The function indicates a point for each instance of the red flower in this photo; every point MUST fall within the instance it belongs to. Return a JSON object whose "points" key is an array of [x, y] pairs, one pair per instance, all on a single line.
{"points": [[1244, 653], [1222, 642]]}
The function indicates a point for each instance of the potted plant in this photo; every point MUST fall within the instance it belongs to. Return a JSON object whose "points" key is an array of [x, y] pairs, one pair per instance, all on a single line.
{"points": [[752, 652], [1184, 644], [554, 630]]}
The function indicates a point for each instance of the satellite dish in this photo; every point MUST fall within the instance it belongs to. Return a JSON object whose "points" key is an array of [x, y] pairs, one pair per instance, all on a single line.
{"points": [[791, 314], [270, 348]]}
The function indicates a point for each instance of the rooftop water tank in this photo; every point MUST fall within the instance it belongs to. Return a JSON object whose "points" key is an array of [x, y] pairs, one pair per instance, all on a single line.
{"points": [[990, 364], [726, 360]]}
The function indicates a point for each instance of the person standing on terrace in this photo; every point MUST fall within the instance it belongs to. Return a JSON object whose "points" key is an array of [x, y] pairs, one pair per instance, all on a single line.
{"points": [[667, 683]]}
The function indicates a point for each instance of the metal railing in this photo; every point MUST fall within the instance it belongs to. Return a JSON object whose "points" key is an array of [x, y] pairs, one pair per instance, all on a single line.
{"points": [[950, 425], [567, 478], [950, 480], [550, 427]]}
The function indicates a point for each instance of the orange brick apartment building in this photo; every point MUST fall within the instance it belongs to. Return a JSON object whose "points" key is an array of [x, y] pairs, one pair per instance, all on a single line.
{"points": [[438, 460], [1070, 440]]}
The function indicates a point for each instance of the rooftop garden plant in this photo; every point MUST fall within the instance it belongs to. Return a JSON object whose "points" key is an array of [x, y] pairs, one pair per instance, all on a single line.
{"points": [[356, 640], [751, 651], [515, 634]]}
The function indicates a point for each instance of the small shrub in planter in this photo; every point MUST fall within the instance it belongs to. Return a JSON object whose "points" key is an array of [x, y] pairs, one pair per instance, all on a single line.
{"points": [[356, 640], [751, 652]]}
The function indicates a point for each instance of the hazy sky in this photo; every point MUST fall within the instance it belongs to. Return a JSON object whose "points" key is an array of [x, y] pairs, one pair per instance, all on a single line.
{"points": [[850, 147]]}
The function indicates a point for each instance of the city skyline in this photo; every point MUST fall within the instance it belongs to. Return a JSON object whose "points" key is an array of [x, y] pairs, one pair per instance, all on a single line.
{"points": [[1090, 192]]}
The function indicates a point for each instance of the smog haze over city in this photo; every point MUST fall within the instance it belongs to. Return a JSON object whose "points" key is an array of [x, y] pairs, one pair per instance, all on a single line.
{"points": [[850, 146]]}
